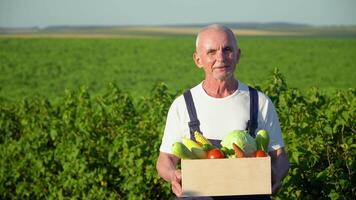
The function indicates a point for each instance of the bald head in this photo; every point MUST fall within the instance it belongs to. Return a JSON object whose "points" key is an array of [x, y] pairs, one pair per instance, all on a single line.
{"points": [[217, 28]]}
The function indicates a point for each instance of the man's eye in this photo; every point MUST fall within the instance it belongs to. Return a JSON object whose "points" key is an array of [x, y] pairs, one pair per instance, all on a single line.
{"points": [[211, 52], [227, 49]]}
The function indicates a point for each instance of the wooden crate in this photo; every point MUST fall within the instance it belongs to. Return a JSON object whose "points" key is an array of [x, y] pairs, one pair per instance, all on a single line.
{"points": [[221, 177]]}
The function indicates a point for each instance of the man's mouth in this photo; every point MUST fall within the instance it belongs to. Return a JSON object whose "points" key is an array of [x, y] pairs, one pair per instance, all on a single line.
{"points": [[222, 67]]}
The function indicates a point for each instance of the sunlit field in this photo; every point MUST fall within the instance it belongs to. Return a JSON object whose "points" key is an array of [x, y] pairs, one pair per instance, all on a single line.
{"points": [[68, 132], [48, 66]]}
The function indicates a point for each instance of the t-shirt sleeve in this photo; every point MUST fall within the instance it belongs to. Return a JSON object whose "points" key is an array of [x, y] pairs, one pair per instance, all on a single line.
{"points": [[272, 126], [172, 130]]}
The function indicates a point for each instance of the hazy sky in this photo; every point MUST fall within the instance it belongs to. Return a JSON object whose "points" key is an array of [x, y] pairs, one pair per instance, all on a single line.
{"points": [[27, 13]]}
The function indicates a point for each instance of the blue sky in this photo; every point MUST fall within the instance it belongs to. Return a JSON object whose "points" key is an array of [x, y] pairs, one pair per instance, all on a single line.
{"points": [[29, 13]]}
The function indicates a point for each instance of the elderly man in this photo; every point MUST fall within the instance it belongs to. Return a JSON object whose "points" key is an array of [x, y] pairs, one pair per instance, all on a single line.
{"points": [[221, 104]]}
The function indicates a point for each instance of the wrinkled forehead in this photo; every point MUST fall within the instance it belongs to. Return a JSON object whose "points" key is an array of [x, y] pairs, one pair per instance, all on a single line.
{"points": [[214, 38]]}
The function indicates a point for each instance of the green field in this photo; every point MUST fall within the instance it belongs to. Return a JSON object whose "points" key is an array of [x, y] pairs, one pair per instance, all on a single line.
{"points": [[48, 66], [74, 146]]}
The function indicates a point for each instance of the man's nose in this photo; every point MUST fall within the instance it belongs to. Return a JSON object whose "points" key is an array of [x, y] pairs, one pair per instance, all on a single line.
{"points": [[220, 55]]}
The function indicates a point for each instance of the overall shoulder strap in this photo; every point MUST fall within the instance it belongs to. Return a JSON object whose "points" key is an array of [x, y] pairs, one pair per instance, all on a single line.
{"points": [[252, 124], [194, 122]]}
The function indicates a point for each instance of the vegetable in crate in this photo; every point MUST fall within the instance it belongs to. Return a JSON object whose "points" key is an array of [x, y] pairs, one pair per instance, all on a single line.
{"points": [[215, 154], [207, 147], [262, 140], [260, 153], [242, 139], [229, 153], [238, 152], [195, 148], [181, 151], [201, 139]]}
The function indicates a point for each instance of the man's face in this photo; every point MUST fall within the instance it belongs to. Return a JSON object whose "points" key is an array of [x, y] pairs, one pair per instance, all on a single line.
{"points": [[217, 54]]}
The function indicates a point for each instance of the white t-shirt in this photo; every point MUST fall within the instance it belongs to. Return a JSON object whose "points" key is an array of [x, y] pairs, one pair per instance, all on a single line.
{"points": [[220, 116]]}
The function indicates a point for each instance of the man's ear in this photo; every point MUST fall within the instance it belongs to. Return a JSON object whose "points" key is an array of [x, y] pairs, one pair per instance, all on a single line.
{"points": [[238, 55], [197, 60]]}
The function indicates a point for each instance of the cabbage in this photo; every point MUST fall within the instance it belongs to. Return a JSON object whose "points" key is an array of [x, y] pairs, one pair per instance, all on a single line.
{"points": [[242, 139]]}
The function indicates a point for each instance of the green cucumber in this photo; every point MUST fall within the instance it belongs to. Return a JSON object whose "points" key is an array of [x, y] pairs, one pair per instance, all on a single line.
{"points": [[181, 151]]}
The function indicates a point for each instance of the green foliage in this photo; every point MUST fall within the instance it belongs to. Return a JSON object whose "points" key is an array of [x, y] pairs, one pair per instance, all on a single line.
{"points": [[320, 136], [105, 147]]}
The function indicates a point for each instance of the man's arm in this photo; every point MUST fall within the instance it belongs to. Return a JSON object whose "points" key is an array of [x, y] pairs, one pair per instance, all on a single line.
{"points": [[280, 167], [166, 168]]}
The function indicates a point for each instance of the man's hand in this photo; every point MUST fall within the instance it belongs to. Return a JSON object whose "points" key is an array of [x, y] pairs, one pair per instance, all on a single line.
{"points": [[176, 180], [280, 167], [166, 167], [276, 184]]}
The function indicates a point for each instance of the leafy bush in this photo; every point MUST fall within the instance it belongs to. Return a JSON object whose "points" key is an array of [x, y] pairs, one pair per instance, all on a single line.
{"points": [[106, 147], [320, 135], [102, 148]]}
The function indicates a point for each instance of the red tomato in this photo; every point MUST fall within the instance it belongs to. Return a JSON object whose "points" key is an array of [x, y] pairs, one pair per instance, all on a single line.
{"points": [[260, 153], [215, 154]]}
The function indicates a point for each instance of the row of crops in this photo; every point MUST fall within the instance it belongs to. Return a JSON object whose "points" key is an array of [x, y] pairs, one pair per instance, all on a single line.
{"points": [[106, 146]]}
